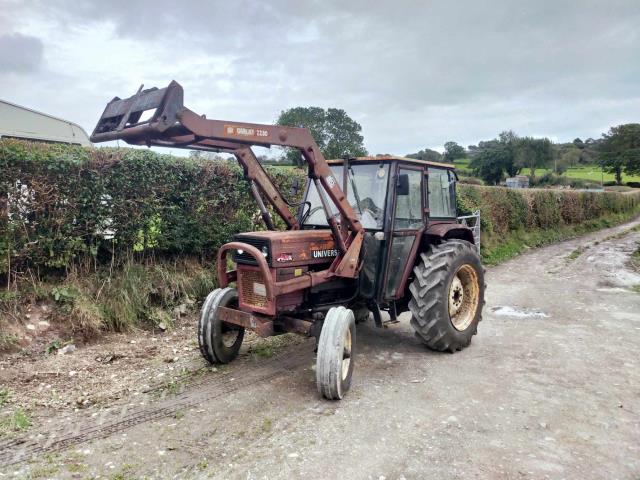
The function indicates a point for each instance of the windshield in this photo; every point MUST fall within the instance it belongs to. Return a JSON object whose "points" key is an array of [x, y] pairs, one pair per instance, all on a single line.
{"points": [[367, 190]]}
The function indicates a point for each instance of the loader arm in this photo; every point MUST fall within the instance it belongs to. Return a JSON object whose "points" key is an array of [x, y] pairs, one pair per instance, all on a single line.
{"points": [[171, 124]]}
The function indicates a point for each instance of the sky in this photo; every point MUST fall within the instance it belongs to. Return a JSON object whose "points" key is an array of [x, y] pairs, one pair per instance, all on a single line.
{"points": [[414, 74]]}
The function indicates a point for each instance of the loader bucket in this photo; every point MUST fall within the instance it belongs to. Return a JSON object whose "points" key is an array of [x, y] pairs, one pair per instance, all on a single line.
{"points": [[123, 118]]}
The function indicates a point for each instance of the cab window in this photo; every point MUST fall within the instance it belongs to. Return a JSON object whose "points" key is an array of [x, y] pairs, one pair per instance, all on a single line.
{"points": [[409, 206], [441, 189], [367, 194]]}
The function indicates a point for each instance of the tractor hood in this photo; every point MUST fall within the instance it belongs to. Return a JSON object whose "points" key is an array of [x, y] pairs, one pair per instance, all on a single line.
{"points": [[289, 248]]}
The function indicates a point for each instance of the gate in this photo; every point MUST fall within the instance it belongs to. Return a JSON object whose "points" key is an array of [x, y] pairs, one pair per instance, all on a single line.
{"points": [[473, 222]]}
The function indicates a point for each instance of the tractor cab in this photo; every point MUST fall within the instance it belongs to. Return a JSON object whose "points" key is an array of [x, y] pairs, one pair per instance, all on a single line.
{"points": [[396, 199]]}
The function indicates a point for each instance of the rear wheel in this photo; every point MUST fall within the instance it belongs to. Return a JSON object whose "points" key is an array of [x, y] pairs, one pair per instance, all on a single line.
{"points": [[447, 295], [335, 360], [219, 341]]}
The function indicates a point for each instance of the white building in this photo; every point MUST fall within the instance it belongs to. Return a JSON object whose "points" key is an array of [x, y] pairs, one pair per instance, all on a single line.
{"points": [[24, 123], [519, 181]]}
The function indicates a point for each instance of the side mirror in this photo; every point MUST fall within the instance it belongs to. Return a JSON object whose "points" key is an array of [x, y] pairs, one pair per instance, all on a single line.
{"points": [[402, 185]]}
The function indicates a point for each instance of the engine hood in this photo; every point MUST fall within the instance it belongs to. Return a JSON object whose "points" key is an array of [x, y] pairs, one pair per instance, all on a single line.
{"points": [[289, 248]]}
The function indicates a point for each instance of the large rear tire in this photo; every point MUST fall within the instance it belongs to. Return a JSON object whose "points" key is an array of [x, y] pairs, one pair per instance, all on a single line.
{"points": [[335, 359], [447, 295], [219, 341]]}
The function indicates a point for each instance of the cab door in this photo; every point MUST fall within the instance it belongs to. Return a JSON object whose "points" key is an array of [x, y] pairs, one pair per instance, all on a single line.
{"points": [[407, 226]]}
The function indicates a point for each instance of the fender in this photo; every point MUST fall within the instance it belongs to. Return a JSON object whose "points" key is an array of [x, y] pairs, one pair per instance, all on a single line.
{"points": [[446, 231]]}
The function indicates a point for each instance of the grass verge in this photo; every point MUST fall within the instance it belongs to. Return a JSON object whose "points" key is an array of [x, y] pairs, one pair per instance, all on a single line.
{"points": [[496, 251], [148, 294]]}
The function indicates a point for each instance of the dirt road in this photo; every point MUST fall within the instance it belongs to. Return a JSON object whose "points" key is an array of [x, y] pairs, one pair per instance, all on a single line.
{"points": [[550, 388]]}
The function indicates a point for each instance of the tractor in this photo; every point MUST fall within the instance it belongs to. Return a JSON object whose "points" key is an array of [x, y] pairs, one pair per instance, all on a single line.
{"points": [[371, 235]]}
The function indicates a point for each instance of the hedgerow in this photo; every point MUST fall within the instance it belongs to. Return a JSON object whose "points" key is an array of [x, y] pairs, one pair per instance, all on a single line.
{"points": [[100, 231], [540, 216], [70, 206]]}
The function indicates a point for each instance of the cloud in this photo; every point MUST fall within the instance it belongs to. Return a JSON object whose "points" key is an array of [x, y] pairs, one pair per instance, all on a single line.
{"points": [[415, 74], [20, 53]]}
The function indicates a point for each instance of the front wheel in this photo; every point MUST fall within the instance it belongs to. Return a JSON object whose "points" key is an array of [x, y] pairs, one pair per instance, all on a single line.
{"points": [[447, 295], [335, 360], [219, 341]]}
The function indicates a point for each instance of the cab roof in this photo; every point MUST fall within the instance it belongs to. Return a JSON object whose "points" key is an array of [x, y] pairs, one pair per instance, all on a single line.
{"points": [[386, 158]]}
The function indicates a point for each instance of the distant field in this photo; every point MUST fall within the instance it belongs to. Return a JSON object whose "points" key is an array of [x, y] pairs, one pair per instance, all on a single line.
{"points": [[591, 173], [286, 168]]}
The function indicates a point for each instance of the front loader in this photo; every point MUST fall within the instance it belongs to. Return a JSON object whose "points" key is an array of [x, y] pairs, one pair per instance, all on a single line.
{"points": [[372, 235]]}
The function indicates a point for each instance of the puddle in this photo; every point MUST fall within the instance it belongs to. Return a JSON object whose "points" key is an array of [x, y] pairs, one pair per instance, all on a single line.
{"points": [[517, 312]]}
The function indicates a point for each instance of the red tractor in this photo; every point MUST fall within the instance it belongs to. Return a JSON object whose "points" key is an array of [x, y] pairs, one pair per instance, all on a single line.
{"points": [[372, 234]]}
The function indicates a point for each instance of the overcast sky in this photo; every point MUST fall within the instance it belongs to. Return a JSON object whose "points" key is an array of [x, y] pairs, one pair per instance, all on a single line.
{"points": [[414, 74]]}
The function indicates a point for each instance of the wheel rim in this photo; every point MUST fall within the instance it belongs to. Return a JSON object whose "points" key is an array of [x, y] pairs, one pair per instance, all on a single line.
{"points": [[229, 332], [464, 294], [229, 337], [346, 354]]}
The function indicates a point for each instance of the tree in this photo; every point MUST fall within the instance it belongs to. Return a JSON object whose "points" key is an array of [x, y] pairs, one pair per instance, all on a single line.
{"points": [[334, 131], [453, 151], [509, 140], [620, 150], [566, 157], [489, 162], [578, 143], [426, 154], [492, 159], [533, 153], [202, 155]]}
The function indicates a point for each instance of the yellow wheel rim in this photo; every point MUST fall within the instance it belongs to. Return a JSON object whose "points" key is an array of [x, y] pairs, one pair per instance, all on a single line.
{"points": [[464, 295], [346, 355]]}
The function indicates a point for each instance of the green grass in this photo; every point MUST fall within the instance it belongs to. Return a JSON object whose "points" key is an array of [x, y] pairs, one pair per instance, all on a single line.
{"points": [[268, 347], [576, 253], [590, 173], [18, 421], [46, 471], [462, 166], [129, 297], [267, 425]]}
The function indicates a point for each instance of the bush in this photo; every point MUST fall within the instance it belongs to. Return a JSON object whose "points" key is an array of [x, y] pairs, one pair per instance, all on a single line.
{"points": [[512, 213], [633, 184], [550, 179], [470, 181], [67, 207]]}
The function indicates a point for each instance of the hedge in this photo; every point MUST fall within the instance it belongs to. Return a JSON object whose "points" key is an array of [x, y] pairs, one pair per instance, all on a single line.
{"points": [[553, 214], [66, 206]]}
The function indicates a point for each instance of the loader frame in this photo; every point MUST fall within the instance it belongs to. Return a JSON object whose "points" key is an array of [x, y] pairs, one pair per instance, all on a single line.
{"points": [[158, 117]]}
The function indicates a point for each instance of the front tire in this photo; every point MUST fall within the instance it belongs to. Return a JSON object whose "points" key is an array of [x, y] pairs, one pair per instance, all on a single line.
{"points": [[447, 295], [335, 359], [219, 341]]}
